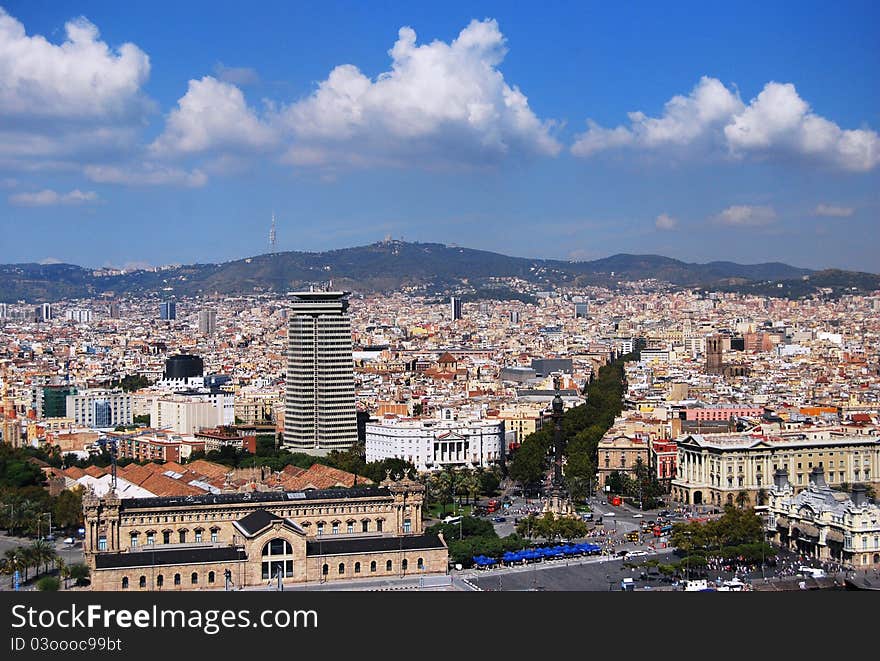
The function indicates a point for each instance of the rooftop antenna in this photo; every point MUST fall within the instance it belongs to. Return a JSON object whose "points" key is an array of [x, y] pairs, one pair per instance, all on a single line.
{"points": [[272, 235]]}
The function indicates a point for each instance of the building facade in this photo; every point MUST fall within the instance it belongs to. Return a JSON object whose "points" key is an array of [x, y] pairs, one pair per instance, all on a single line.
{"points": [[434, 444], [320, 413], [714, 468], [824, 524], [620, 453], [168, 310], [207, 321], [300, 537], [186, 413], [100, 408]]}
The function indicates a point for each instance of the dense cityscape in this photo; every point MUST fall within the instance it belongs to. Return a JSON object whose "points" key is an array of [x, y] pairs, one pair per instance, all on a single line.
{"points": [[435, 298], [418, 433]]}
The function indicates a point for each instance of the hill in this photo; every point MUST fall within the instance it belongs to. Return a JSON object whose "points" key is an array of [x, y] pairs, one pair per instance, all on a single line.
{"points": [[431, 267]]}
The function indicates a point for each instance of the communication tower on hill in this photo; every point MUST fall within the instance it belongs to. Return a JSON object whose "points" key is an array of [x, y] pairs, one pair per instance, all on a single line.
{"points": [[272, 235]]}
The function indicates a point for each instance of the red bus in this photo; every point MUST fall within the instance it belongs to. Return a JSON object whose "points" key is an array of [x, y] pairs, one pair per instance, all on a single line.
{"points": [[493, 506]]}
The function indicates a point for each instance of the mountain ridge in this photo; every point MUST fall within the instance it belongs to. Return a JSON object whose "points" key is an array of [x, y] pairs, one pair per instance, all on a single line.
{"points": [[434, 267]]}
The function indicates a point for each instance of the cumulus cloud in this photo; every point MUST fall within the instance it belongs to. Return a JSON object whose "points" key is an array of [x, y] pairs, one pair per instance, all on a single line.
{"points": [[439, 102], [81, 77], [48, 198], [685, 120], [833, 211], [665, 222], [65, 103], [212, 115], [146, 174], [241, 76], [746, 216], [777, 123]]}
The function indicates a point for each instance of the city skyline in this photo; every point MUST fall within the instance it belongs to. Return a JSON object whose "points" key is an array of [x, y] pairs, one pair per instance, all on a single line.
{"points": [[691, 133]]}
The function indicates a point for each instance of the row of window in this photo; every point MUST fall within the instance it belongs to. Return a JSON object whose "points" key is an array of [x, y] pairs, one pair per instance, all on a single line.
{"points": [[389, 566], [160, 580], [166, 537]]}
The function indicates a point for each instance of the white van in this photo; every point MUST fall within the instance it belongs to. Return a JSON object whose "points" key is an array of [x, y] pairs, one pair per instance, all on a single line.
{"points": [[813, 572]]}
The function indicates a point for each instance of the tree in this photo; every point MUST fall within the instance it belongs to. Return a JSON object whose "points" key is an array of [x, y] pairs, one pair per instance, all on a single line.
{"points": [[141, 419], [79, 573], [67, 511], [742, 499], [48, 584], [417, 409], [528, 462], [43, 553], [489, 482]]}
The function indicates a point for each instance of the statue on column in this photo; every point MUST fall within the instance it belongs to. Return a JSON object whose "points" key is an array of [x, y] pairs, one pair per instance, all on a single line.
{"points": [[559, 501]]}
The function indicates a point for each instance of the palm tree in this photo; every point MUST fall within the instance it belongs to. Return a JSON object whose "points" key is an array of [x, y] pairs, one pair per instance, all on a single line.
{"points": [[28, 559], [742, 499], [12, 561], [43, 553], [761, 497], [63, 570]]}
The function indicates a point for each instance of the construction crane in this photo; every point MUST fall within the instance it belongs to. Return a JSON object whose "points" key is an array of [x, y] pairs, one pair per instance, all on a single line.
{"points": [[111, 447]]}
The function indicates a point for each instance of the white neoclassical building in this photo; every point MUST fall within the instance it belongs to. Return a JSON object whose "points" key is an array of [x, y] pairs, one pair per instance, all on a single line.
{"points": [[433, 444]]}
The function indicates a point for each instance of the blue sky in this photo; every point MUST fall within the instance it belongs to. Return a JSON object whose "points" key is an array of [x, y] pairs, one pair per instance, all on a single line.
{"points": [[153, 132]]}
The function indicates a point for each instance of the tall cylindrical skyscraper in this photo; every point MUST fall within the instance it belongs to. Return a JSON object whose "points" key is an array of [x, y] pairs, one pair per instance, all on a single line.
{"points": [[320, 413]]}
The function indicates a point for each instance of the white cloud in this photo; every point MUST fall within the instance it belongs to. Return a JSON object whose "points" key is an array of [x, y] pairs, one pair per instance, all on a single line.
{"points": [[665, 222], [212, 115], [833, 211], [50, 260], [777, 123], [241, 76], [67, 103], [81, 77], [47, 198], [746, 216], [438, 104], [685, 120], [146, 174]]}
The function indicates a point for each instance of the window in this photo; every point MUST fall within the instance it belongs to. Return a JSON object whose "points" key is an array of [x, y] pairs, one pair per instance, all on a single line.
{"points": [[320, 528], [277, 558], [142, 582], [325, 569], [166, 537], [210, 577], [102, 546], [404, 565], [177, 579], [214, 535], [125, 582], [198, 535], [341, 568], [151, 538], [357, 568], [407, 526], [379, 523], [160, 581], [420, 563], [336, 527], [182, 536], [373, 566], [365, 526], [350, 527], [134, 540], [194, 578], [388, 566]]}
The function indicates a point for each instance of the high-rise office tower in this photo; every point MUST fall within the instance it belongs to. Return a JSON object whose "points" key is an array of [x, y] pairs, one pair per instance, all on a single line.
{"points": [[319, 413], [113, 310], [4, 310], [168, 310], [514, 316], [455, 306], [581, 310], [43, 312], [207, 321]]}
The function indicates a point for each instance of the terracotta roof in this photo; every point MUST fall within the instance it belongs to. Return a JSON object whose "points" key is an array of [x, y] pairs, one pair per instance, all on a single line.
{"points": [[136, 474], [207, 468], [74, 472], [290, 469], [162, 485], [95, 471]]}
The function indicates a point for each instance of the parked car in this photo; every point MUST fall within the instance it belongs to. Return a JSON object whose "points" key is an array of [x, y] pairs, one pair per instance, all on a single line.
{"points": [[499, 519]]}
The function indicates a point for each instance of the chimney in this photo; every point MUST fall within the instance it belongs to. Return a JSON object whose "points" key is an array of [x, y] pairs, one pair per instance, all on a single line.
{"points": [[780, 479], [817, 477], [859, 495]]}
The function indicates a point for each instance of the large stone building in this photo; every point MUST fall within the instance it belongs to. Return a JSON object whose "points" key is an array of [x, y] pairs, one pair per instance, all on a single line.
{"points": [[620, 453], [320, 413], [186, 543], [100, 408], [714, 468], [435, 443], [821, 523]]}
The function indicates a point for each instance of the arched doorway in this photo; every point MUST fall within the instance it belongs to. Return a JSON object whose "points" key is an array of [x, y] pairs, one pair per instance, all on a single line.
{"points": [[277, 557], [698, 497]]}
